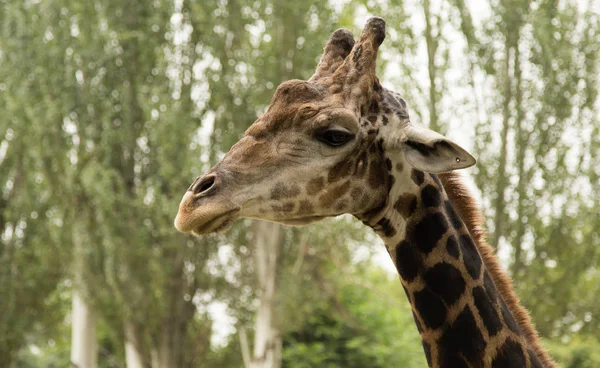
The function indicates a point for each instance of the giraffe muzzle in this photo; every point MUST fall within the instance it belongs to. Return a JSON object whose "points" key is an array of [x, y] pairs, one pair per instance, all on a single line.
{"points": [[204, 209]]}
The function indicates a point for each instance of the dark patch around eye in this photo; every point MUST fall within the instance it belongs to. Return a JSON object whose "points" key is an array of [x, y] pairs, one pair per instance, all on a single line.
{"points": [[335, 138]]}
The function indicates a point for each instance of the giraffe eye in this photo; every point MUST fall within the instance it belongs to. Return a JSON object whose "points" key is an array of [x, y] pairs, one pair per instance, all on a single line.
{"points": [[336, 138]]}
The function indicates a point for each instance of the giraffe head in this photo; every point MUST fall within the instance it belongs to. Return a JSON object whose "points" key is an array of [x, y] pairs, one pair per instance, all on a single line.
{"points": [[324, 147]]}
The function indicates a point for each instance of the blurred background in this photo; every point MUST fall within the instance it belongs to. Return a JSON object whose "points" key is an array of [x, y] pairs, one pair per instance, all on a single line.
{"points": [[109, 109]]}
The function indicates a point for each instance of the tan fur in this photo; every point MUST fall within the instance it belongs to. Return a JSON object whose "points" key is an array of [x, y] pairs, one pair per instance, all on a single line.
{"points": [[469, 212]]}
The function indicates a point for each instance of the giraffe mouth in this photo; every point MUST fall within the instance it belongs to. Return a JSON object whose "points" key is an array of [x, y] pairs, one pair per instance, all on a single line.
{"points": [[200, 216], [218, 224]]}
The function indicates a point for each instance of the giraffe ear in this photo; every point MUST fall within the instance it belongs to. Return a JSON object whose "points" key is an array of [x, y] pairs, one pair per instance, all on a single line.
{"points": [[429, 151]]}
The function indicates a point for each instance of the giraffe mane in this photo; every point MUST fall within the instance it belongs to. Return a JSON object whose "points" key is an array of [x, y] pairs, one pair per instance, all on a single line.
{"points": [[471, 215]]}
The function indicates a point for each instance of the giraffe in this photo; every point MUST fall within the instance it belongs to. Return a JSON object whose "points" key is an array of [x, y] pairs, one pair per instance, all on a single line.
{"points": [[341, 143]]}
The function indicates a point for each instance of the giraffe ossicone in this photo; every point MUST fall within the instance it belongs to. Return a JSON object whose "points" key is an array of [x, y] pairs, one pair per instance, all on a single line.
{"points": [[341, 143]]}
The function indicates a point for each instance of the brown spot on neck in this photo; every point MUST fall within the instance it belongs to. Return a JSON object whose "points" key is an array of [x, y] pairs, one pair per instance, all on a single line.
{"points": [[406, 204], [417, 176], [377, 173], [468, 210]]}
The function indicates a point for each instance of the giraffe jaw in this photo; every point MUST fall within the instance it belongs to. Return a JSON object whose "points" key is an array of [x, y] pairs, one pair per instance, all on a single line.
{"points": [[219, 224], [299, 221], [204, 218], [303, 220]]}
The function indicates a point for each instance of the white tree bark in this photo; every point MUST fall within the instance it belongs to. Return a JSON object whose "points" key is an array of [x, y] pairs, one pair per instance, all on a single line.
{"points": [[268, 237], [162, 355], [133, 356], [84, 348]]}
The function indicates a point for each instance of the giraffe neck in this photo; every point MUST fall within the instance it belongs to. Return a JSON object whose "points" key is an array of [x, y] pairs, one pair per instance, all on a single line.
{"points": [[462, 319]]}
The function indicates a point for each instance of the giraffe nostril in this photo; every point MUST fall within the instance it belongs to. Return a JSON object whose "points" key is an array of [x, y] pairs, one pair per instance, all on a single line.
{"points": [[204, 185]]}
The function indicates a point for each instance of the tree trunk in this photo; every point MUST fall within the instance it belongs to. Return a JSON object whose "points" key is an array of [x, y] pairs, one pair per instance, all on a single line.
{"points": [[133, 355], [268, 237], [84, 348], [162, 355], [502, 182], [522, 141], [432, 45]]}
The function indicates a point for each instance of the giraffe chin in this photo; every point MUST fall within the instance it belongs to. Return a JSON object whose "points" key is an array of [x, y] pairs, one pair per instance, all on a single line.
{"points": [[301, 221], [218, 224]]}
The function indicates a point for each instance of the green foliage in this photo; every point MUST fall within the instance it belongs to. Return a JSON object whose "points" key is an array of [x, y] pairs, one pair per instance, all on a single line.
{"points": [[542, 184], [359, 326], [579, 352]]}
